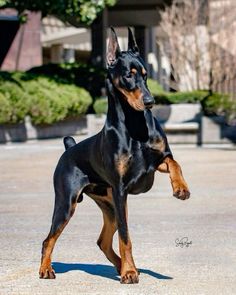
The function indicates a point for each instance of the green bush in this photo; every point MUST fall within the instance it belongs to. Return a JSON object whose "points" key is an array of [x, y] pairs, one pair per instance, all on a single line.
{"points": [[187, 96], [48, 105], [154, 87], [5, 109], [100, 106], [83, 75], [52, 101], [45, 100], [219, 104], [14, 101]]}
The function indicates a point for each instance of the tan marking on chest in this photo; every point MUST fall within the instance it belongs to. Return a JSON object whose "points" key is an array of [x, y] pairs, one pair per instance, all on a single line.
{"points": [[158, 145], [122, 164]]}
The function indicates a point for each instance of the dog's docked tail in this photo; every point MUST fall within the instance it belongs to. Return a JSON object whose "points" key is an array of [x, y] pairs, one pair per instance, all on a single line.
{"points": [[69, 142]]}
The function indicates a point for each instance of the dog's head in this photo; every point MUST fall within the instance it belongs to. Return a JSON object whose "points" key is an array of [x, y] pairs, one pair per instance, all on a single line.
{"points": [[128, 72]]}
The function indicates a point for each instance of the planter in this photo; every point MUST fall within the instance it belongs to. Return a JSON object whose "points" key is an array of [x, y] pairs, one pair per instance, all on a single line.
{"points": [[95, 123], [215, 130], [27, 131], [181, 122], [13, 133]]}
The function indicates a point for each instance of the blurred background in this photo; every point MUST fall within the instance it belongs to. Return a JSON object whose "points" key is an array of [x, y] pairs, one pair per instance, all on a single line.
{"points": [[53, 65]]}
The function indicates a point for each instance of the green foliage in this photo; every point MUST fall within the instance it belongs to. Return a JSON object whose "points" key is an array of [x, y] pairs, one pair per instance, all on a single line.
{"points": [[219, 104], [45, 100], [82, 75], [212, 103], [14, 101], [187, 97], [83, 11], [100, 106], [5, 110], [3, 2], [154, 87], [163, 97]]}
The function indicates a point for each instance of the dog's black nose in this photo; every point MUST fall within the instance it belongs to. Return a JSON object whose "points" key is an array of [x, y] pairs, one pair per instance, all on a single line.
{"points": [[148, 102]]}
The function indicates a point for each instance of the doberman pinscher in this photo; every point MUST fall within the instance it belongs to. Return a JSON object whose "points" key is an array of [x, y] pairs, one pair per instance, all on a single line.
{"points": [[120, 160]]}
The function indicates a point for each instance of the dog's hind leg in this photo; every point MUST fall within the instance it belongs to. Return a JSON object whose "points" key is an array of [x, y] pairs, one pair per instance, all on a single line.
{"points": [[68, 187], [179, 185], [109, 227]]}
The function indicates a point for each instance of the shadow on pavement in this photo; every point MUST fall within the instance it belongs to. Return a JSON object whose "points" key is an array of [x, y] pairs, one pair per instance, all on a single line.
{"points": [[101, 270]]}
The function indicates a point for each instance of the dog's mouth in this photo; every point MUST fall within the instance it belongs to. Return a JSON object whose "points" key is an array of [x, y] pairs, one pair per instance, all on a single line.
{"points": [[149, 106], [148, 102]]}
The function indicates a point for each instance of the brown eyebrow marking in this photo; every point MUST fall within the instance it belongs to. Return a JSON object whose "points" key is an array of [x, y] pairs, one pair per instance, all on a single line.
{"points": [[134, 71], [144, 71]]}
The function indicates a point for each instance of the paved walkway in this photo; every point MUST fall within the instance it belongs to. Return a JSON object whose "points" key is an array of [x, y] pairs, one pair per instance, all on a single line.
{"points": [[156, 219]]}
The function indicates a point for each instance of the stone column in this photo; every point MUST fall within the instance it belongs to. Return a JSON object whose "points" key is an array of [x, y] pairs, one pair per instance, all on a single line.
{"points": [[57, 53], [98, 39], [146, 40], [152, 53], [142, 41]]}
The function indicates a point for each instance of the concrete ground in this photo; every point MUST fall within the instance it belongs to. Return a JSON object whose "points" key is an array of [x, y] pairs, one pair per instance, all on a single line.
{"points": [[157, 221]]}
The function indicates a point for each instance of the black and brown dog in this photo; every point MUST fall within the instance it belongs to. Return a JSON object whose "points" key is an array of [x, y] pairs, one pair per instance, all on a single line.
{"points": [[119, 160]]}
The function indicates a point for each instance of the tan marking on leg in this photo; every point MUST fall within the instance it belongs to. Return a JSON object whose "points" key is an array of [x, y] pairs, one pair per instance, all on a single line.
{"points": [[105, 241], [109, 228], [179, 185], [46, 271], [163, 167], [129, 272]]}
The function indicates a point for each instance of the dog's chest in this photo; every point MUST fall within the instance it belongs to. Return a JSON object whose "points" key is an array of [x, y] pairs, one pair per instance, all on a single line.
{"points": [[137, 168], [141, 184]]}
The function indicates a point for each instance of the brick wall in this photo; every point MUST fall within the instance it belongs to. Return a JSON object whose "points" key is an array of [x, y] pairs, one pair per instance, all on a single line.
{"points": [[25, 50]]}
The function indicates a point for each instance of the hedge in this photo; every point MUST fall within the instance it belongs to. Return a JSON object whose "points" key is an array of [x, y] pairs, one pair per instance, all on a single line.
{"points": [[83, 75], [100, 106], [45, 100], [154, 87], [14, 100]]}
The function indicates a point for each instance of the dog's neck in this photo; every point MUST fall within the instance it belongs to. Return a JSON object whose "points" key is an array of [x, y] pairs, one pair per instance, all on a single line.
{"points": [[121, 114]]}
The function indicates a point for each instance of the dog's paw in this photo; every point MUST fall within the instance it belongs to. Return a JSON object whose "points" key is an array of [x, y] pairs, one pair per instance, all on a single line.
{"points": [[46, 273], [182, 193], [130, 277]]}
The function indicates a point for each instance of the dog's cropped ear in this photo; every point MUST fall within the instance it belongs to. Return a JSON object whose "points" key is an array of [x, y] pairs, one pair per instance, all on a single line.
{"points": [[113, 48], [132, 45]]}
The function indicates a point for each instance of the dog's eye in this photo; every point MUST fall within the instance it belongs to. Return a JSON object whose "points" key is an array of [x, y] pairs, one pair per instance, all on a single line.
{"points": [[129, 75]]}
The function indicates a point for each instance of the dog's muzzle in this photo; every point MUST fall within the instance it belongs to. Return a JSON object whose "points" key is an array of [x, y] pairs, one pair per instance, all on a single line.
{"points": [[148, 102]]}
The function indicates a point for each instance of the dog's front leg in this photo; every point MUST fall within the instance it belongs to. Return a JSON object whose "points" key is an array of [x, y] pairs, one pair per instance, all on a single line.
{"points": [[179, 185], [129, 272]]}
